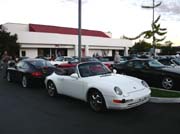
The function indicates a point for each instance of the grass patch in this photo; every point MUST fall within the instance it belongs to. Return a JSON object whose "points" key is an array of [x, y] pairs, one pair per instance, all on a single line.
{"points": [[156, 92]]}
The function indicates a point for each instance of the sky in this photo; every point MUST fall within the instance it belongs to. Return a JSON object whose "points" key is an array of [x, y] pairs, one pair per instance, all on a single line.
{"points": [[120, 17]]}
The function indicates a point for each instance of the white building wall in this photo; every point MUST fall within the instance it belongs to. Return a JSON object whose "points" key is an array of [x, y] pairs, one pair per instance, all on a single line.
{"points": [[71, 52], [29, 52], [36, 40], [51, 38], [15, 27], [24, 36]]}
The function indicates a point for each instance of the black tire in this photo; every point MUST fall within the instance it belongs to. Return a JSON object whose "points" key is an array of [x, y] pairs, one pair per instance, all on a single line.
{"points": [[96, 101], [167, 83], [24, 81], [51, 89], [8, 77]]}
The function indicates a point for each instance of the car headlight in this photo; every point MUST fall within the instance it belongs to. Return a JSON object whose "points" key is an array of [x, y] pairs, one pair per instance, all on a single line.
{"points": [[145, 84], [118, 91]]}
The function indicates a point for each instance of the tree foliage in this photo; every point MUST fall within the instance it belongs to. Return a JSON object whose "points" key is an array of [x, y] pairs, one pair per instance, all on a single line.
{"points": [[140, 46], [167, 49], [8, 43], [156, 33]]}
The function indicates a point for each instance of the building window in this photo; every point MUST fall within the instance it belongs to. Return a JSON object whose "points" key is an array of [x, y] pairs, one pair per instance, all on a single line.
{"points": [[23, 53]]}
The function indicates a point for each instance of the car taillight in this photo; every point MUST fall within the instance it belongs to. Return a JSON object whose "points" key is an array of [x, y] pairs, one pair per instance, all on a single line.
{"points": [[36, 74]]}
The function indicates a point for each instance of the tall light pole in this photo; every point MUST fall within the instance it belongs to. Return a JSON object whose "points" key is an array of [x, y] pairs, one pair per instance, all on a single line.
{"points": [[153, 21], [153, 42], [79, 30]]}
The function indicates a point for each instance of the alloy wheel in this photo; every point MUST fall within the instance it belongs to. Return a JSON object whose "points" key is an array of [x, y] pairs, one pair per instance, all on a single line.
{"points": [[24, 82], [51, 89], [96, 101], [167, 83]]}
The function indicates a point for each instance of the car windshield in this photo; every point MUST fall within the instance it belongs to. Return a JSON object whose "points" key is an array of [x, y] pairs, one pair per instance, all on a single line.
{"points": [[68, 59], [155, 63], [59, 58], [93, 69], [40, 63], [177, 61], [86, 59], [103, 59]]}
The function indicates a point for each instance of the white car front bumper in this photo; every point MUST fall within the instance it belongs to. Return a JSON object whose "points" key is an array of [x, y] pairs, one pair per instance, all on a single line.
{"points": [[126, 103]]}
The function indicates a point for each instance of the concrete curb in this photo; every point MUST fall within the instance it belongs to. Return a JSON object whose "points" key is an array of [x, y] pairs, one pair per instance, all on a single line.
{"points": [[164, 100]]}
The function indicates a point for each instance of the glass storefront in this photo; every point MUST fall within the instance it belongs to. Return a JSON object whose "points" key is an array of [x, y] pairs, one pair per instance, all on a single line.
{"points": [[49, 52]]}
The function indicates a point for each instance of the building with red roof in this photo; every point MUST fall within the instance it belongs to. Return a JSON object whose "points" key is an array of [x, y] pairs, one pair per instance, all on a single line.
{"points": [[65, 30], [44, 40]]}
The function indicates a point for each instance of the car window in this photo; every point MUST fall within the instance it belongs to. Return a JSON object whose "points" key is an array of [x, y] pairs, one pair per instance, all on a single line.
{"points": [[165, 62], [176, 60], [59, 58], [68, 59], [104, 59], [155, 63], [129, 64], [20, 64], [86, 59], [40, 63], [25, 66], [138, 64]]}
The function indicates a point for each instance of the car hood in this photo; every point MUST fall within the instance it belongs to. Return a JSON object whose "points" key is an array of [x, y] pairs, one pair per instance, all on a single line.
{"points": [[126, 83]]}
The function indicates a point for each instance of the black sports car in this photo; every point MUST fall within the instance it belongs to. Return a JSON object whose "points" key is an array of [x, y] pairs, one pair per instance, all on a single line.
{"points": [[152, 71], [30, 71]]}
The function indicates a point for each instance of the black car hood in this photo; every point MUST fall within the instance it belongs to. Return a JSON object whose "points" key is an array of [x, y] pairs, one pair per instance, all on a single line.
{"points": [[171, 69]]}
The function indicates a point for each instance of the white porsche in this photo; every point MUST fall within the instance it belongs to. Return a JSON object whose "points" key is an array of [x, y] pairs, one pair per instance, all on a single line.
{"points": [[94, 83]]}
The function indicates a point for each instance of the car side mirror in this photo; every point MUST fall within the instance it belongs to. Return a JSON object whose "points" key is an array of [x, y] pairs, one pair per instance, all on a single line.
{"points": [[75, 75]]}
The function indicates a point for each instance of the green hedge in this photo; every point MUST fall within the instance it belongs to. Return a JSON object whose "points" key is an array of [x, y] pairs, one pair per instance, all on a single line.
{"points": [[157, 92]]}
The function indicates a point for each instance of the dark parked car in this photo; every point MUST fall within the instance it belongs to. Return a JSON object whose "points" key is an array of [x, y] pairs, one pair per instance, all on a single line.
{"points": [[30, 71], [152, 71]]}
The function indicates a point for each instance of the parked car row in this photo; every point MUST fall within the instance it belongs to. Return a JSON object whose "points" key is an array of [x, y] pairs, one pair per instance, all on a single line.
{"points": [[91, 82], [152, 71]]}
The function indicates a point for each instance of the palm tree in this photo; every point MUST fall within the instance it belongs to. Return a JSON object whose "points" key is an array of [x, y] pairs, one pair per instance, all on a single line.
{"points": [[156, 32]]}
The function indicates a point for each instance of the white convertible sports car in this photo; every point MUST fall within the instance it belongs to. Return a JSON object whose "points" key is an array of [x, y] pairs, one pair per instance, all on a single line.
{"points": [[94, 83]]}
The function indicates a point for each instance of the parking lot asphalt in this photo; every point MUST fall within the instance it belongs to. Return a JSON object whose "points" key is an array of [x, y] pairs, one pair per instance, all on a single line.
{"points": [[32, 111]]}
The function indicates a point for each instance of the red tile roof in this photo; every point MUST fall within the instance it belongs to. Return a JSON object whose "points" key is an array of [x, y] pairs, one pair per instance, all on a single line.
{"points": [[65, 30]]}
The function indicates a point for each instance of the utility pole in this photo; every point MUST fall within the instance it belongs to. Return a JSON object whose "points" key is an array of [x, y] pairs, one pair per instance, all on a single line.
{"points": [[79, 30]]}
